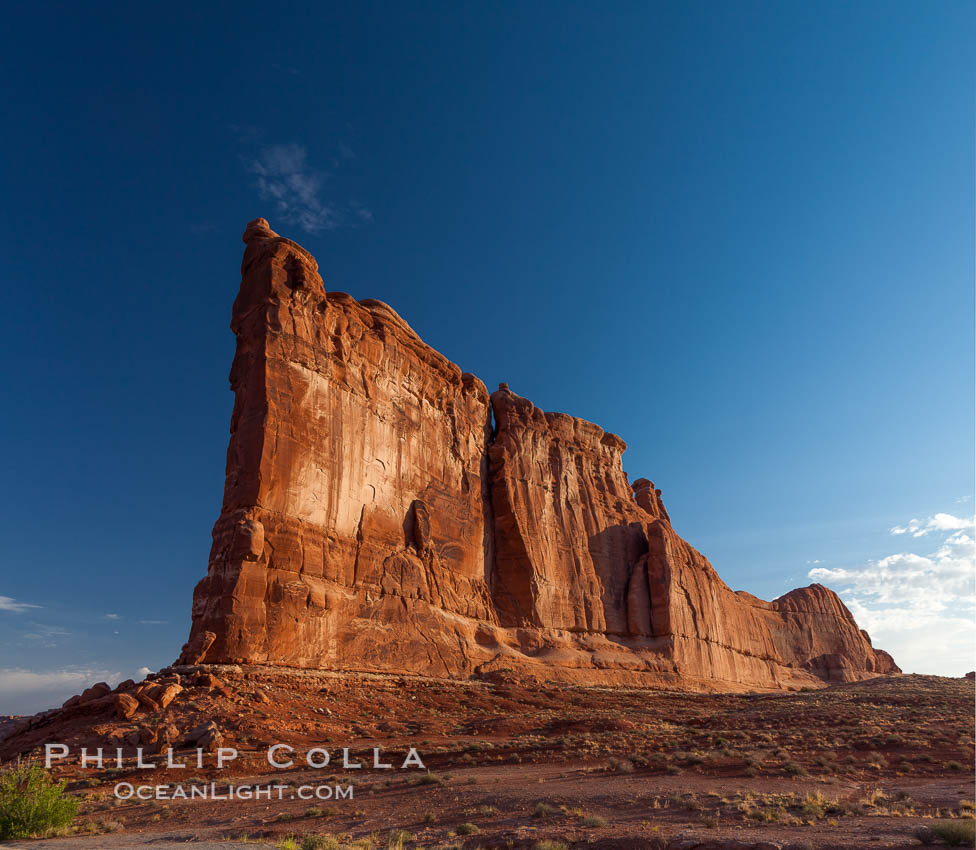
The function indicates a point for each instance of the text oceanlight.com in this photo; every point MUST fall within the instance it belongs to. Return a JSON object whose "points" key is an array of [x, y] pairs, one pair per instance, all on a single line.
{"points": [[211, 791]]}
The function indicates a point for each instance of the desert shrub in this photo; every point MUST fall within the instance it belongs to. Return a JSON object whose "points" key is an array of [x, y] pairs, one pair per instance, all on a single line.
{"points": [[548, 844], [287, 844], [32, 803], [814, 804], [953, 765], [874, 798], [319, 842], [429, 778], [468, 829], [795, 769], [876, 760], [594, 820], [398, 839], [543, 810], [958, 833]]}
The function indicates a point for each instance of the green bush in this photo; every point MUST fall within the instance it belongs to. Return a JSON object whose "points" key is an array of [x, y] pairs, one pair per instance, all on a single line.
{"points": [[32, 803], [955, 833]]}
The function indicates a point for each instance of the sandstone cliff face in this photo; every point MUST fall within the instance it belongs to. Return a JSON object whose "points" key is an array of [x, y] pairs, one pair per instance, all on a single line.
{"points": [[383, 512]]}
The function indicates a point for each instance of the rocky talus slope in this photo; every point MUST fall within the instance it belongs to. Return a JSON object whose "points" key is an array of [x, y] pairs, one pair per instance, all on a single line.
{"points": [[384, 512]]}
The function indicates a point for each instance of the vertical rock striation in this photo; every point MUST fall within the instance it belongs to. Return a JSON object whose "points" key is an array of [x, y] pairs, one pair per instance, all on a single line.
{"points": [[383, 512]]}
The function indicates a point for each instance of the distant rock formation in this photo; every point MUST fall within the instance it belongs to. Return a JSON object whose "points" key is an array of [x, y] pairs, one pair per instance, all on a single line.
{"points": [[383, 512]]}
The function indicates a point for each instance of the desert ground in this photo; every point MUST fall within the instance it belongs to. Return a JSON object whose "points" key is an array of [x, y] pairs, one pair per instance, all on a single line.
{"points": [[522, 764]]}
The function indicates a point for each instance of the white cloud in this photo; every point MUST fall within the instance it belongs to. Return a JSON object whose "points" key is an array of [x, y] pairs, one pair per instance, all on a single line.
{"points": [[28, 691], [939, 522], [142, 672], [111, 616], [285, 179], [15, 607], [919, 607]]}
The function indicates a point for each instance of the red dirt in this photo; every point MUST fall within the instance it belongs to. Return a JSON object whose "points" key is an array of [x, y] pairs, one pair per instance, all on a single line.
{"points": [[884, 756]]}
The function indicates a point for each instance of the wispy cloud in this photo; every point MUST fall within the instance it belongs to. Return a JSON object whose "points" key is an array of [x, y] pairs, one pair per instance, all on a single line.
{"points": [[295, 181], [13, 606], [111, 617], [285, 178], [361, 211], [918, 606], [39, 634], [24, 691]]}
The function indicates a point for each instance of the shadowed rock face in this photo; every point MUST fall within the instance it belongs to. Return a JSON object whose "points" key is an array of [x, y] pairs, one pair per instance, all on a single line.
{"points": [[383, 512]]}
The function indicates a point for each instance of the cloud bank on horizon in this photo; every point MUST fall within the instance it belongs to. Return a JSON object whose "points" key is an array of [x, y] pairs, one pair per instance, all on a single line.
{"points": [[25, 691], [920, 607]]}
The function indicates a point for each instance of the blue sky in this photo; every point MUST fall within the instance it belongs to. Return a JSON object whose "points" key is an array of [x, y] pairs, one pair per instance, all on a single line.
{"points": [[739, 235]]}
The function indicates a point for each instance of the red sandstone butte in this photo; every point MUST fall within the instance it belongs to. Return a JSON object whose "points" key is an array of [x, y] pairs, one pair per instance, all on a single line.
{"points": [[383, 512]]}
